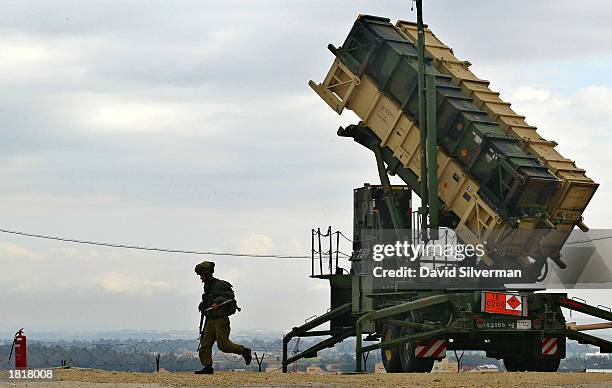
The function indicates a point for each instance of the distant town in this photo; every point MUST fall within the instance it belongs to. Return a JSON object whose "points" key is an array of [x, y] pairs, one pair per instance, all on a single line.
{"points": [[177, 351]]}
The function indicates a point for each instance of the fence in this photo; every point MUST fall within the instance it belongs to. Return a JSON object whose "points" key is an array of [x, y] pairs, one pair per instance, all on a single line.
{"points": [[133, 355]]}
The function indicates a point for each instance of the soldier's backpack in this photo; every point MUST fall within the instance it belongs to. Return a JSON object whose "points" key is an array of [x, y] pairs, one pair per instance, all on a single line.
{"points": [[229, 308]]}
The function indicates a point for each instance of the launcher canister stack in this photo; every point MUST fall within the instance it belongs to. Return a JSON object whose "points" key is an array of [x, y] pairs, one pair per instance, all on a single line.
{"points": [[498, 180]]}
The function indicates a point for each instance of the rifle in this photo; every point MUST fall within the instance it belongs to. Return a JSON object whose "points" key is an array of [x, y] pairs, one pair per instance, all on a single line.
{"points": [[203, 312]]}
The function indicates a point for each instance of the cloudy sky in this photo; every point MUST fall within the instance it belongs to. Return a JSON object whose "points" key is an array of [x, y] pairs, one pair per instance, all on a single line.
{"points": [[190, 125]]}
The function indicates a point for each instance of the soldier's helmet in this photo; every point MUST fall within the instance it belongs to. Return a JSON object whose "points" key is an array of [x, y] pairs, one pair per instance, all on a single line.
{"points": [[205, 267]]}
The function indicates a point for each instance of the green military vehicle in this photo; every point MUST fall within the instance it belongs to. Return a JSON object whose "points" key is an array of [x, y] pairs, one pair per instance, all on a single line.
{"points": [[486, 179]]}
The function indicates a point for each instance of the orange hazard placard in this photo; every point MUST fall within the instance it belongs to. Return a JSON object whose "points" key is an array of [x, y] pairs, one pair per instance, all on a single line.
{"points": [[502, 303]]}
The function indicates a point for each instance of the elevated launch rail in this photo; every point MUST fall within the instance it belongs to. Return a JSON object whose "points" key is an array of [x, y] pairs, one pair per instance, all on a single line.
{"points": [[491, 186]]}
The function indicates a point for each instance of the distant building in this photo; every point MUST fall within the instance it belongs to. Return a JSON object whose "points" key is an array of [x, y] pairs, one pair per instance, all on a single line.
{"points": [[314, 370], [444, 366], [379, 367], [485, 368], [271, 365], [595, 354], [333, 368]]}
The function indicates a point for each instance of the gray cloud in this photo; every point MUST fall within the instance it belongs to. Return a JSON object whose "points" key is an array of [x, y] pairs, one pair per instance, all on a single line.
{"points": [[191, 125]]}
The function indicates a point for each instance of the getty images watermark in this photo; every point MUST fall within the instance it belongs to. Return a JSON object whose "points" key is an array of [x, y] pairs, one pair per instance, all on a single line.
{"points": [[452, 252]]}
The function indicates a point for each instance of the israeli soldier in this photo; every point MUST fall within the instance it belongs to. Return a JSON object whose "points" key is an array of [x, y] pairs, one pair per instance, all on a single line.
{"points": [[217, 305]]}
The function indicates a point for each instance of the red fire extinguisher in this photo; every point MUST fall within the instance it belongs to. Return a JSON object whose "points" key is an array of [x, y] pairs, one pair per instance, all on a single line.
{"points": [[19, 344]]}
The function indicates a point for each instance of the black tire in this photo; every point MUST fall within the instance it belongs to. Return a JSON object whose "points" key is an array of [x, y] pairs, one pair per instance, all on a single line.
{"points": [[391, 356], [545, 365], [515, 364], [410, 362]]}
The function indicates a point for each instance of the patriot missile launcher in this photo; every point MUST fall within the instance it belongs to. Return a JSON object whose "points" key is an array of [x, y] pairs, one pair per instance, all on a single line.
{"points": [[497, 181], [485, 176]]}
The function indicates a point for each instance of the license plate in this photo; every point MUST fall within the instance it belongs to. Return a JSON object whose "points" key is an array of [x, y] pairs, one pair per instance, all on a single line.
{"points": [[523, 324], [498, 325]]}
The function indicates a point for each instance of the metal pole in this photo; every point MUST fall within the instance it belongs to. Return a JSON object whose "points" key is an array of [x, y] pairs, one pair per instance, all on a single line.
{"points": [[432, 156], [422, 117], [329, 231], [409, 223], [320, 252], [390, 199], [284, 355], [358, 334], [337, 249], [312, 258]]}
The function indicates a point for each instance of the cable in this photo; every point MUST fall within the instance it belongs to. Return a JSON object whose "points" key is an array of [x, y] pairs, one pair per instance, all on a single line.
{"points": [[342, 234], [71, 240], [326, 253], [585, 241]]}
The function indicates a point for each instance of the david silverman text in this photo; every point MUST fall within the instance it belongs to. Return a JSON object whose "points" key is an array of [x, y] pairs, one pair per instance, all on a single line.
{"points": [[448, 272]]}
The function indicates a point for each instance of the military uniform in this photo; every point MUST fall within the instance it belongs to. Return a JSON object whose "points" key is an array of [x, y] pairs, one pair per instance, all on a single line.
{"points": [[217, 326]]}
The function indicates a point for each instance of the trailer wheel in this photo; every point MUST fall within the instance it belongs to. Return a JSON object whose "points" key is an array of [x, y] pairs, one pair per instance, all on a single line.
{"points": [[515, 364], [391, 356], [410, 362], [545, 365]]}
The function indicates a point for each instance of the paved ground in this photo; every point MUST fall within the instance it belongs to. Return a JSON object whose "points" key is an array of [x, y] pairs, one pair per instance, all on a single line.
{"points": [[69, 378]]}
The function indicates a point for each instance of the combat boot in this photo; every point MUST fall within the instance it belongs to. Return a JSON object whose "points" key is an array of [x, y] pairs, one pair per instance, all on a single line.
{"points": [[246, 353], [207, 370]]}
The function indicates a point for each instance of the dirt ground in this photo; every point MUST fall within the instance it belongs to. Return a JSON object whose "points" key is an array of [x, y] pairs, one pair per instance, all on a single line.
{"points": [[69, 378]]}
